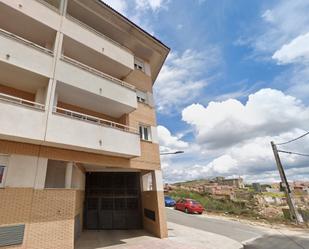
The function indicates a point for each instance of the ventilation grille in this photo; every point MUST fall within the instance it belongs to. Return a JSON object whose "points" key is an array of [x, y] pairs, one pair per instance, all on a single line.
{"points": [[12, 235], [150, 214]]}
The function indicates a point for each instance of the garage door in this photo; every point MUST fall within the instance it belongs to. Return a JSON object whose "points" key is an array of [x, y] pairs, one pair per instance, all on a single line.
{"points": [[112, 201]]}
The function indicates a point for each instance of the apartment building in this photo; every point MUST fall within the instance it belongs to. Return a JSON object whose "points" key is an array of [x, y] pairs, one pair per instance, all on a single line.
{"points": [[78, 139]]}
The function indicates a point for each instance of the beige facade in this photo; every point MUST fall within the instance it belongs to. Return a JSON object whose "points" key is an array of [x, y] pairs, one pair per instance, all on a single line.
{"points": [[76, 102]]}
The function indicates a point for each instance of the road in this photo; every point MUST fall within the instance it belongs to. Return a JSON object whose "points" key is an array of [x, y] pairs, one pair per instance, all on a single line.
{"points": [[258, 237]]}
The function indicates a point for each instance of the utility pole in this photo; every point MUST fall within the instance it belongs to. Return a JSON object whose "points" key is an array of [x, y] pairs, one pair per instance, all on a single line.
{"points": [[295, 215]]}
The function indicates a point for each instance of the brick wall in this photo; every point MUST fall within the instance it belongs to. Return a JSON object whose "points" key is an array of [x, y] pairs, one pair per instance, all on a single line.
{"points": [[143, 114], [149, 159], [154, 201], [140, 80], [48, 215], [15, 205]]}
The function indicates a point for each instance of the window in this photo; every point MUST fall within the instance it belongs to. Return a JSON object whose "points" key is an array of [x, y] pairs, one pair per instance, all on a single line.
{"points": [[139, 65], [3, 169], [145, 132], [141, 97]]}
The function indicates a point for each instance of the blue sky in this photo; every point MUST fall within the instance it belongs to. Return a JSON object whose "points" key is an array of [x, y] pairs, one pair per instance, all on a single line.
{"points": [[237, 77]]}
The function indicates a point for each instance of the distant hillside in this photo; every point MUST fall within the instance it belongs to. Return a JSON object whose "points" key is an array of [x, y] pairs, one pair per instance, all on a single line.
{"points": [[192, 183]]}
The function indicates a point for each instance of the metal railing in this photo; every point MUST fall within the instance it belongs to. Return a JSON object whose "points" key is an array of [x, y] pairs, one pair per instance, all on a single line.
{"points": [[26, 42], [97, 72], [20, 101], [94, 120]]}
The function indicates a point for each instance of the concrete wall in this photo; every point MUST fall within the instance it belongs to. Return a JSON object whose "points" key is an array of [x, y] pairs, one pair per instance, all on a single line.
{"points": [[97, 42], [102, 86], [36, 10], [25, 171], [11, 147], [21, 171], [78, 179], [91, 137], [55, 174], [21, 122], [20, 54]]}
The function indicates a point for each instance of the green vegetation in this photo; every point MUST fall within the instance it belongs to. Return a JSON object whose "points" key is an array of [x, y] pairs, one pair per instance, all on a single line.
{"points": [[214, 205], [272, 194]]}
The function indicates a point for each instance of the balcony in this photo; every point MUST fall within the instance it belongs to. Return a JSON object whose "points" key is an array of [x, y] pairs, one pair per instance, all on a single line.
{"points": [[30, 11], [25, 54], [74, 130], [21, 119], [109, 53], [114, 97]]}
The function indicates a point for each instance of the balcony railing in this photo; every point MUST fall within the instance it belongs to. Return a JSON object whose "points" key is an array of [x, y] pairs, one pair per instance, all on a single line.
{"points": [[97, 72], [94, 120], [26, 42], [20, 101]]}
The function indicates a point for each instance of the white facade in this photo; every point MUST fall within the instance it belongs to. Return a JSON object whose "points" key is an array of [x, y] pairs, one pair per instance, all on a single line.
{"points": [[89, 136], [97, 42], [63, 61], [17, 51], [21, 122]]}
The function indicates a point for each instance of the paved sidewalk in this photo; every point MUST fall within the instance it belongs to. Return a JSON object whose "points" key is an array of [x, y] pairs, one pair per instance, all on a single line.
{"points": [[180, 237], [200, 239]]}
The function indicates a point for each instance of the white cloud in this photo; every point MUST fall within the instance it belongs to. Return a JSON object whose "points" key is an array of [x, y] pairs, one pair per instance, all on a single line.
{"points": [[168, 142], [122, 6], [154, 5], [278, 26], [267, 112], [139, 11], [295, 51], [119, 5], [237, 136], [180, 80], [268, 16], [252, 160]]}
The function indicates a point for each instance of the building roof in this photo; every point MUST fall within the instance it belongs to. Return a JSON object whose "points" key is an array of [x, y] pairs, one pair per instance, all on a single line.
{"points": [[164, 49], [134, 24]]}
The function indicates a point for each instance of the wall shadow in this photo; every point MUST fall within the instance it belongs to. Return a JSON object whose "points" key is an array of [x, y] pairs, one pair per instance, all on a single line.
{"points": [[97, 239], [278, 242]]}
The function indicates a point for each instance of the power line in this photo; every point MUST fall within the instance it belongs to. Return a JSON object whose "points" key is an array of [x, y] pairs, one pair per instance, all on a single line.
{"points": [[307, 133], [293, 153]]}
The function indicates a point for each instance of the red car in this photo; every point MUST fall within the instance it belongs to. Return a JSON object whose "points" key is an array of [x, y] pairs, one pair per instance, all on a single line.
{"points": [[189, 206]]}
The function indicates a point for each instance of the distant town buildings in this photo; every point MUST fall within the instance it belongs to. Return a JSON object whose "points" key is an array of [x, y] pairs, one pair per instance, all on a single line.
{"points": [[232, 189], [220, 191], [257, 187], [268, 200]]}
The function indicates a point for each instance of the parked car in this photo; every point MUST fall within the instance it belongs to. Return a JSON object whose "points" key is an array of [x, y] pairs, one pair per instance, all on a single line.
{"points": [[189, 206], [169, 201]]}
